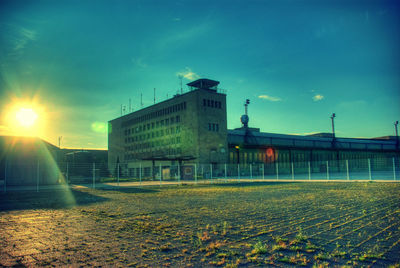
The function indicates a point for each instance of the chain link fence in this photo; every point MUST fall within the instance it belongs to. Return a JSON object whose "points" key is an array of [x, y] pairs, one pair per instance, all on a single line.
{"points": [[37, 175]]}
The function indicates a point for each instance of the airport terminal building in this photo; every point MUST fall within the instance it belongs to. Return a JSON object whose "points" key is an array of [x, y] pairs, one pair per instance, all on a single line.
{"points": [[192, 128]]}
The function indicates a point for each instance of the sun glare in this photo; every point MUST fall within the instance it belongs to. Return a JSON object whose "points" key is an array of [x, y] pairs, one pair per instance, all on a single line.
{"points": [[26, 117]]}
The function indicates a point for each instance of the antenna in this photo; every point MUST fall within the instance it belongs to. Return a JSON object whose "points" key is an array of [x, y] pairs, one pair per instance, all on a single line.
{"points": [[141, 100], [59, 142], [154, 95], [121, 109], [245, 106], [124, 109], [180, 78]]}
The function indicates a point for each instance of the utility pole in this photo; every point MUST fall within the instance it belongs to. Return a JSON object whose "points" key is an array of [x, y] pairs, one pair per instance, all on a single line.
{"points": [[397, 134]]}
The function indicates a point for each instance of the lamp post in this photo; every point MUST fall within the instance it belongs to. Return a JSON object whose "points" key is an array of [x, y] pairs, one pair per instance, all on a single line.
{"points": [[237, 154], [333, 125]]}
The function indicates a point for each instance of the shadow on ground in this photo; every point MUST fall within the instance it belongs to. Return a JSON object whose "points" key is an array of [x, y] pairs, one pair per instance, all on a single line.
{"points": [[130, 190], [48, 199], [252, 184]]}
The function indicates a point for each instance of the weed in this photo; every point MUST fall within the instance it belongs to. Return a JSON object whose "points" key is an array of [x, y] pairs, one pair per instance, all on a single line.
{"points": [[259, 248], [322, 256], [300, 236], [224, 228]]}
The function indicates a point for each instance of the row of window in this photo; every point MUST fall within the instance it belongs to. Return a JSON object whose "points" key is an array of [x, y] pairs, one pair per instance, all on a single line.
{"points": [[155, 134], [169, 151], [155, 114], [152, 125], [153, 144], [212, 103], [213, 127]]}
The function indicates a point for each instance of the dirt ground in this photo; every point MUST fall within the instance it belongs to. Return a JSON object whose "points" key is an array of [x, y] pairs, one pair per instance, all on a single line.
{"points": [[227, 225]]}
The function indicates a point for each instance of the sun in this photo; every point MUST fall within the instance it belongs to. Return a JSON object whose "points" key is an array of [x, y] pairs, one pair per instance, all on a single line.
{"points": [[26, 117]]}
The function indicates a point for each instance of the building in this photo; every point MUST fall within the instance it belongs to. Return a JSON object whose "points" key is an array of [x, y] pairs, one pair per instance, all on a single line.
{"points": [[28, 161], [188, 127], [191, 128]]}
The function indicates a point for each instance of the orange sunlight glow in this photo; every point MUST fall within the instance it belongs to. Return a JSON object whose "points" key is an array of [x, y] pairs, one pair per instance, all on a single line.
{"points": [[25, 118]]}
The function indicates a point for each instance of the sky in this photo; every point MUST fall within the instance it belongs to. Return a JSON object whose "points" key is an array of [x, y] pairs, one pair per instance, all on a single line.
{"points": [[297, 61]]}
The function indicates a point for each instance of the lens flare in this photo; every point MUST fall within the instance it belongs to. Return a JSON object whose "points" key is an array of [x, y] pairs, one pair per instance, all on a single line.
{"points": [[26, 117]]}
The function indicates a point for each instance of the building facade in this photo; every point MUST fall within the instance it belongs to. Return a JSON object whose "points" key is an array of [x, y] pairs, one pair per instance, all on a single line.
{"points": [[189, 127]]}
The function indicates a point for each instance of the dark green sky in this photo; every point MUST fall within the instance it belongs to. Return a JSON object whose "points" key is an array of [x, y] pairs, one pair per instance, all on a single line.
{"points": [[297, 61]]}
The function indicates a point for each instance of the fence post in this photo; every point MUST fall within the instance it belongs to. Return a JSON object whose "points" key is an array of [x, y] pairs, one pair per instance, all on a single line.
{"points": [[251, 172], [179, 173], [140, 173], [292, 171], [160, 170], [37, 177], [118, 173], [238, 173], [347, 169], [327, 170], [94, 175], [67, 174], [225, 173], [5, 175], [369, 169], [309, 170], [263, 176], [394, 169], [195, 173], [277, 170], [211, 171]]}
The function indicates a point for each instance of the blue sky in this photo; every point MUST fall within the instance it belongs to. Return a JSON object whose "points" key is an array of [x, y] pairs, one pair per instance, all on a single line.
{"points": [[297, 61]]}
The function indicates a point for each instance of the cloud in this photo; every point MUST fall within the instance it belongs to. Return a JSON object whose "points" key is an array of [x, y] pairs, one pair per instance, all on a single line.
{"points": [[139, 62], [317, 97], [269, 98], [24, 37], [188, 74]]}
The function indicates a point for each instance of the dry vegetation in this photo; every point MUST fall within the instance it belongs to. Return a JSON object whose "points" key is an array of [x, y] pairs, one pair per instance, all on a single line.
{"points": [[227, 225]]}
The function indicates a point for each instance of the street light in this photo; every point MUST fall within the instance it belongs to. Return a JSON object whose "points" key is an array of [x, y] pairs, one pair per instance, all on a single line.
{"points": [[237, 154], [333, 125]]}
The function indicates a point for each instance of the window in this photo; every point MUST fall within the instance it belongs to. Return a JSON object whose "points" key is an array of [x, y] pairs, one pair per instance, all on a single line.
{"points": [[167, 121], [216, 127], [178, 118], [162, 122], [209, 126], [212, 103], [178, 129], [204, 102], [172, 120], [208, 103], [152, 125], [178, 139]]}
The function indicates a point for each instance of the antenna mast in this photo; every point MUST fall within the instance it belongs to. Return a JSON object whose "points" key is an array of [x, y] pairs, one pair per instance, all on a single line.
{"points": [[180, 77], [154, 95], [141, 100], [245, 106]]}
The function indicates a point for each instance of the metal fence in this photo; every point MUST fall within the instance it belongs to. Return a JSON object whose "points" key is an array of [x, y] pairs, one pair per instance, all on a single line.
{"points": [[39, 175]]}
